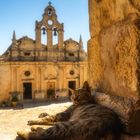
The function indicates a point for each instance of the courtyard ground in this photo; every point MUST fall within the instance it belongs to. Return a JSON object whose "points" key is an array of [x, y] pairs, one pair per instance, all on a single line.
{"points": [[13, 120]]}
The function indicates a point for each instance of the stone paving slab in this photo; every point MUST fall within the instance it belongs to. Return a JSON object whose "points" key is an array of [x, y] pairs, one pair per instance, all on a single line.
{"points": [[12, 120]]}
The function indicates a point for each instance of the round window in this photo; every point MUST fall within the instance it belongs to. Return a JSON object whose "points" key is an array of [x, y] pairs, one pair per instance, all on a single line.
{"points": [[27, 73], [50, 22], [71, 72]]}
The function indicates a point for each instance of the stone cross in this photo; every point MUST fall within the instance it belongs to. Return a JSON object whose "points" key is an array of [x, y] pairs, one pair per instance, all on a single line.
{"points": [[49, 3]]}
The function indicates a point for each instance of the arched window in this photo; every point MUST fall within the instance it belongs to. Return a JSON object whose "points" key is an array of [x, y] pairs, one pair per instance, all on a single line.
{"points": [[50, 12], [43, 35], [55, 35]]}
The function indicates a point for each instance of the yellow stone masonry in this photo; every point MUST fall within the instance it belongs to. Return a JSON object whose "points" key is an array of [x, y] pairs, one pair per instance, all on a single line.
{"points": [[35, 70], [113, 50]]}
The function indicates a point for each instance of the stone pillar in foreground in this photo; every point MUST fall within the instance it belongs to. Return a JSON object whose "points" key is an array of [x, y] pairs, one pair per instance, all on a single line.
{"points": [[114, 53]]}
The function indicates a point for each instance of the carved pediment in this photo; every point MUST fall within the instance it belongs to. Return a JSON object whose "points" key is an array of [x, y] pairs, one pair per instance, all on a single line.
{"points": [[50, 76], [51, 71], [71, 45]]}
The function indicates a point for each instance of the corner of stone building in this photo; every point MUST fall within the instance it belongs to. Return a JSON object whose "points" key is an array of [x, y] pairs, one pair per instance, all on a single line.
{"points": [[94, 63]]}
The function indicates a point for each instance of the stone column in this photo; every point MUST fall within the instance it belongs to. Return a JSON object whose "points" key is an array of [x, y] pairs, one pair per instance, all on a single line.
{"points": [[14, 78], [18, 79], [60, 38], [81, 75], [39, 78], [36, 79], [85, 71], [60, 77], [64, 78], [38, 38], [42, 86], [49, 38], [38, 35]]}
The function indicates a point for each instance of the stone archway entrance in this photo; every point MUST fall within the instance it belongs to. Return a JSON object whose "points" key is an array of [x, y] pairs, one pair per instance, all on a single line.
{"points": [[27, 91]]}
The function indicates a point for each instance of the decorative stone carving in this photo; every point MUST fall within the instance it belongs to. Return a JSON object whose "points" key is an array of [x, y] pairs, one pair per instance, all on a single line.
{"points": [[46, 48]]}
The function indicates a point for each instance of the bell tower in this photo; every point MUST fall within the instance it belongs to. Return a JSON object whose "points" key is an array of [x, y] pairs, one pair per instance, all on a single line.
{"points": [[49, 26]]}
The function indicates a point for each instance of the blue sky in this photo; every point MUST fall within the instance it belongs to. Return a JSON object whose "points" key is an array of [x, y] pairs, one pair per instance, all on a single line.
{"points": [[20, 15]]}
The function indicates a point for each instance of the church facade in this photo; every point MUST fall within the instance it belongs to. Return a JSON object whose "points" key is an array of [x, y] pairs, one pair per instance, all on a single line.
{"points": [[31, 68]]}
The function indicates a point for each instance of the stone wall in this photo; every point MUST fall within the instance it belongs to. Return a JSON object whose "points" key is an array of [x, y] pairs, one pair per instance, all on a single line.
{"points": [[113, 50], [41, 76], [5, 83], [114, 58]]}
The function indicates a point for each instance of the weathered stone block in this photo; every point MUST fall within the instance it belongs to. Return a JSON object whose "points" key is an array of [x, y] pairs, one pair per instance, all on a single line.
{"points": [[114, 58], [119, 50], [113, 50], [103, 13]]}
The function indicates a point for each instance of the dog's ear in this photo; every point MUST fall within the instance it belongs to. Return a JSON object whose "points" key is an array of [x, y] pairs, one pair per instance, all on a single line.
{"points": [[86, 86]]}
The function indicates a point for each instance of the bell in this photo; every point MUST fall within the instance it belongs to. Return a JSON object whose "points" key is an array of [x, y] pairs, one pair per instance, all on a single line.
{"points": [[55, 32], [44, 31], [50, 12]]}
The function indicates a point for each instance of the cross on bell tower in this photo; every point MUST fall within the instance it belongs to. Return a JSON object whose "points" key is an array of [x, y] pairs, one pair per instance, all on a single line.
{"points": [[49, 3]]}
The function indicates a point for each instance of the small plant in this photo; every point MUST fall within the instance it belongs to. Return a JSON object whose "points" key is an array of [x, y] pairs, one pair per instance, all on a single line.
{"points": [[3, 104], [14, 98]]}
